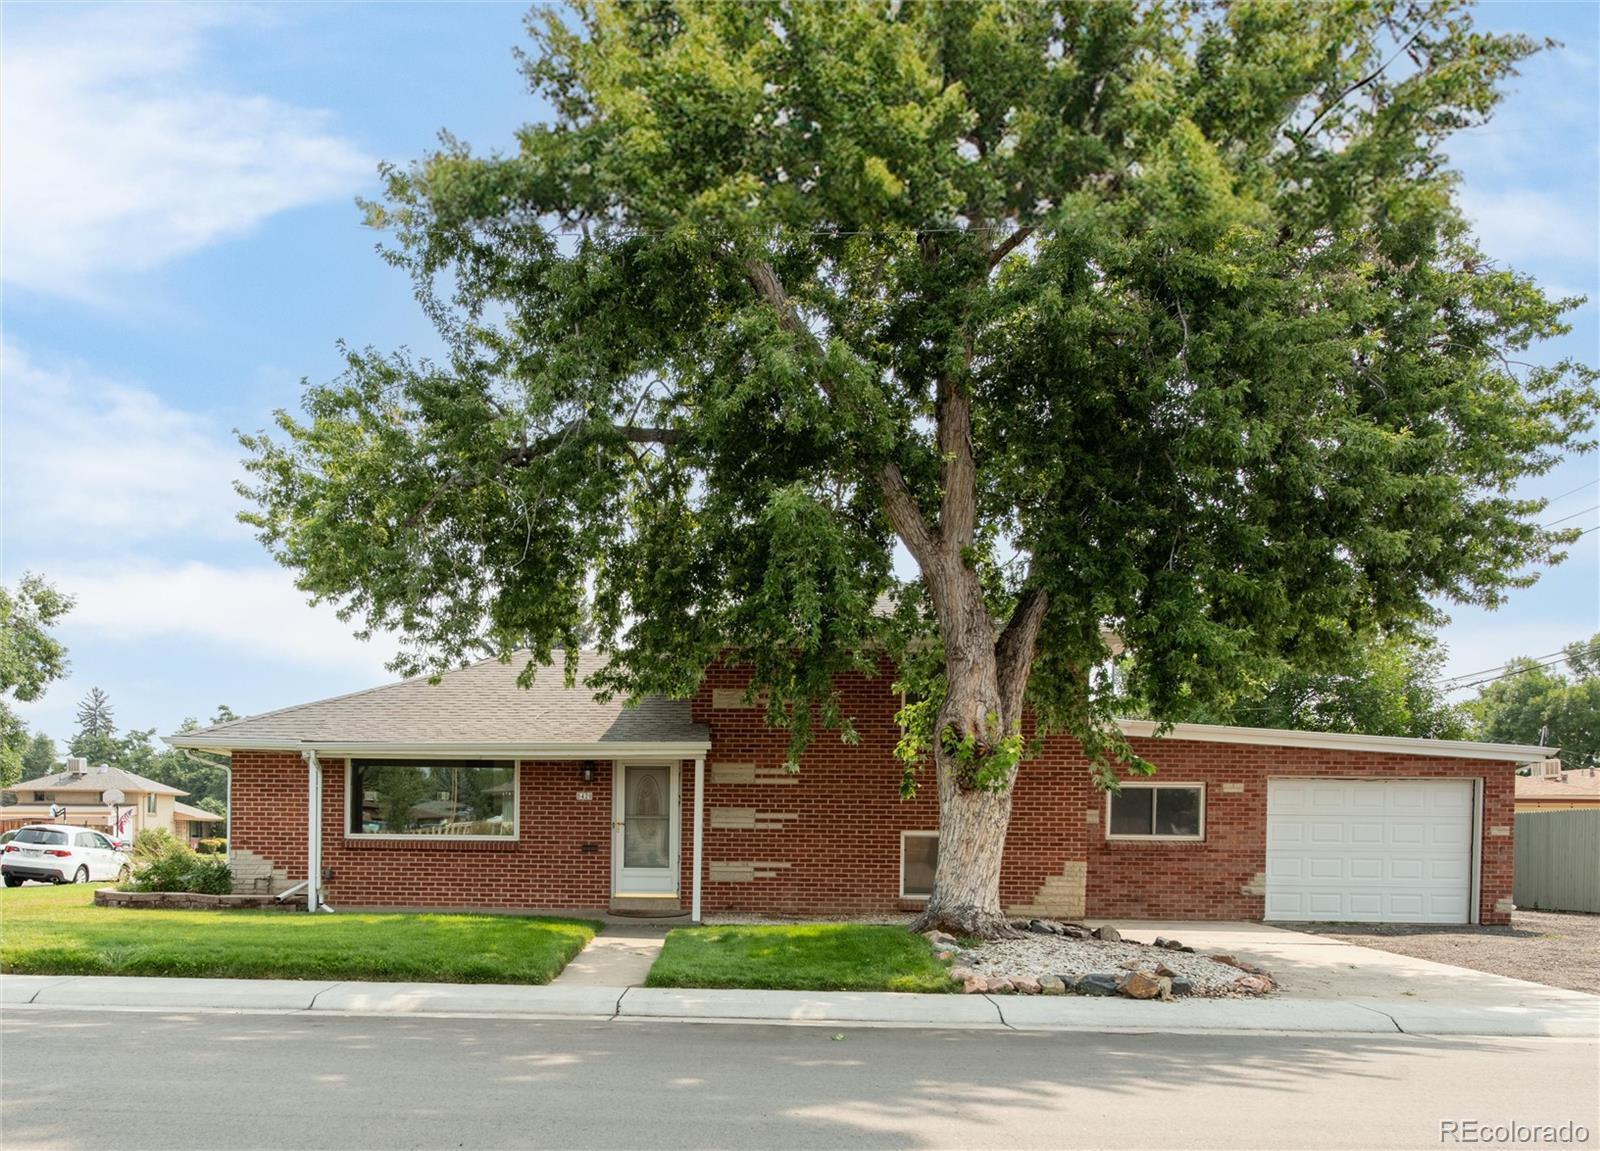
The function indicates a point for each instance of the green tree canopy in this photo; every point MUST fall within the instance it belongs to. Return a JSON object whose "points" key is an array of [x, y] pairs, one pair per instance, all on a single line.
{"points": [[1158, 317], [96, 737], [1389, 685], [30, 660], [41, 758], [1534, 701]]}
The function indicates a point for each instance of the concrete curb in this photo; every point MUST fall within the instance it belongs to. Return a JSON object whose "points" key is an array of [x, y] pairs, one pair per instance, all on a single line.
{"points": [[1572, 1014]]}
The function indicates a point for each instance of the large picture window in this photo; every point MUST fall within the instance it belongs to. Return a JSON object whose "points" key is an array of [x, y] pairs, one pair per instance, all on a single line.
{"points": [[465, 799], [1157, 811]]}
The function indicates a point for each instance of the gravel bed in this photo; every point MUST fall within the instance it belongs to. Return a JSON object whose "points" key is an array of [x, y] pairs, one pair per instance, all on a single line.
{"points": [[1040, 955]]}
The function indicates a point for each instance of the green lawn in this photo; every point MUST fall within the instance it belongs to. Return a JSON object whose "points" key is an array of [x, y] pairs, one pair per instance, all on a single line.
{"points": [[59, 931], [800, 957]]}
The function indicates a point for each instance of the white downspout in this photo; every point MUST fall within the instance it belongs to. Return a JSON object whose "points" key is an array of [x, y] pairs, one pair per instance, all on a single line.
{"points": [[313, 829], [699, 818]]}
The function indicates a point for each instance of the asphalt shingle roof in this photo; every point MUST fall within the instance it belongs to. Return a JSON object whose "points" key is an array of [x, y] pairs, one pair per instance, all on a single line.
{"points": [[478, 704], [96, 780]]}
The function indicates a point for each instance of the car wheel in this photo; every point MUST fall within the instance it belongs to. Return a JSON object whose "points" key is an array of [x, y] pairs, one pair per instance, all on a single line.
{"points": [[81, 875], [13, 881], [124, 874]]}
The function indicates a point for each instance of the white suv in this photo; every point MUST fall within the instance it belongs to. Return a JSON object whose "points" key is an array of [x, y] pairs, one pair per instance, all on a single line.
{"points": [[57, 853]]}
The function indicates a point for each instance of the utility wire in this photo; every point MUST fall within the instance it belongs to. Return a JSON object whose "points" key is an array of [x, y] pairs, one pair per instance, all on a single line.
{"points": [[1573, 516], [1574, 491], [1507, 675], [1500, 667]]}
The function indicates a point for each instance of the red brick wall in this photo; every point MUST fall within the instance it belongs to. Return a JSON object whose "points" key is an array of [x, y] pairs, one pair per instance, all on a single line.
{"points": [[839, 854]]}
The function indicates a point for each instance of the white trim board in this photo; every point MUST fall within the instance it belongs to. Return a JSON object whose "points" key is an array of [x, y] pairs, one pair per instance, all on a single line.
{"points": [[1519, 753], [523, 751]]}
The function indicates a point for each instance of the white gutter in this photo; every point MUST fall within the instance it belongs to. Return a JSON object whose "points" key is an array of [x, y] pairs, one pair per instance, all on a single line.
{"points": [[1519, 753], [699, 817], [313, 829], [686, 749]]}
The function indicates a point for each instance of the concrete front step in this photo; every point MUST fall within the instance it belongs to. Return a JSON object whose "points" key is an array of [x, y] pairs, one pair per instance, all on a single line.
{"points": [[663, 905]]}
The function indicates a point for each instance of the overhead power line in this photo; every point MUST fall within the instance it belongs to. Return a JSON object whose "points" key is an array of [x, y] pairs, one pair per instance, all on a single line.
{"points": [[1573, 516], [1574, 491]]}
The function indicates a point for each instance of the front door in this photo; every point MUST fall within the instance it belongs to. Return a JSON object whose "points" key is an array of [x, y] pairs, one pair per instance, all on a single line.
{"points": [[644, 830]]}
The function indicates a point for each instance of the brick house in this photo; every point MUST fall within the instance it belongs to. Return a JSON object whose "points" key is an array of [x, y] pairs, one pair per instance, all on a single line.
{"points": [[475, 793]]}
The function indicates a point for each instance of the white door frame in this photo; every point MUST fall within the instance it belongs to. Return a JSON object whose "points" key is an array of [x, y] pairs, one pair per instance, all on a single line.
{"points": [[626, 885]]}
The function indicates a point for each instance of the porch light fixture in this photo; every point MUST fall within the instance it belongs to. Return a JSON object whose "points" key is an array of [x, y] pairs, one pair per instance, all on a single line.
{"points": [[586, 771]]}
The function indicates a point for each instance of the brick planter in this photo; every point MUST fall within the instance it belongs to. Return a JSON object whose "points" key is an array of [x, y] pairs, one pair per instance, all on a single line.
{"points": [[193, 901]]}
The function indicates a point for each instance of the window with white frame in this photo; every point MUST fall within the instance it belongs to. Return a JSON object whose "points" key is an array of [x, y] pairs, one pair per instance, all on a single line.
{"points": [[457, 799], [150, 802], [919, 859], [1157, 811]]}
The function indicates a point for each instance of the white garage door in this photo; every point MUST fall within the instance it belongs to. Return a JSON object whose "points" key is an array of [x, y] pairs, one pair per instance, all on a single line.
{"points": [[1373, 851]]}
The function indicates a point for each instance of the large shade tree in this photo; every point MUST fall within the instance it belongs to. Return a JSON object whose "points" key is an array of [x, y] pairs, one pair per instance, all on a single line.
{"points": [[1155, 318]]}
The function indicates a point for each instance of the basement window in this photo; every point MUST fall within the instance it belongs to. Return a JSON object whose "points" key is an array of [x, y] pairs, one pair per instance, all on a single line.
{"points": [[459, 799], [1157, 811], [919, 859]]}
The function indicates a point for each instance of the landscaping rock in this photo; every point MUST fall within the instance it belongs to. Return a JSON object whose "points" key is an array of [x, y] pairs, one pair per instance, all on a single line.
{"points": [[1163, 970], [1076, 931], [1138, 985], [1052, 985], [1254, 984], [1026, 985], [1044, 927], [1182, 986], [1096, 983], [1108, 933], [1001, 987], [941, 941]]}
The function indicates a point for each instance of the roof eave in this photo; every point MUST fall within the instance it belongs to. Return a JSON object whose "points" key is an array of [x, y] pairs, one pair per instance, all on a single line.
{"points": [[1518, 753], [610, 749]]}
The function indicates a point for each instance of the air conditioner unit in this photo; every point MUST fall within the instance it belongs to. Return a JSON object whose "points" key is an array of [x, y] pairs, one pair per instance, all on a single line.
{"points": [[1550, 769]]}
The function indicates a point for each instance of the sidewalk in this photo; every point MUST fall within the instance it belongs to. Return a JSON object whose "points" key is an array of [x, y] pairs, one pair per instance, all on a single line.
{"points": [[1567, 1014]]}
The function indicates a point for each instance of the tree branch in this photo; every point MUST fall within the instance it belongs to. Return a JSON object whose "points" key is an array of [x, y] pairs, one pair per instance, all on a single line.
{"points": [[905, 516], [525, 454], [1010, 244], [1014, 649]]}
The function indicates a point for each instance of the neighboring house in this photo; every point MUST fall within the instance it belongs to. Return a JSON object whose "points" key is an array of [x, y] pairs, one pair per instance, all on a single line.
{"points": [[474, 793], [81, 789], [1558, 790]]}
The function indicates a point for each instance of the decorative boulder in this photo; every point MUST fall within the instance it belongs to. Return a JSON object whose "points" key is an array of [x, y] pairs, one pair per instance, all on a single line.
{"points": [[1052, 985], [1108, 933], [1253, 984], [942, 941], [1001, 986], [1075, 931], [1182, 986], [1138, 985], [1098, 983], [1025, 984]]}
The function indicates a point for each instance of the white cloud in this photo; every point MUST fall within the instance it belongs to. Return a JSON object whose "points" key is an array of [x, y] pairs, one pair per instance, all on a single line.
{"points": [[1524, 226], [120, 156], [93, 466], [254, 612]]}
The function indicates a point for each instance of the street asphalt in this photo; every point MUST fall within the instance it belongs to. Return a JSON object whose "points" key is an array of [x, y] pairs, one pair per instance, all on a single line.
{"points": [[122, 1079]]}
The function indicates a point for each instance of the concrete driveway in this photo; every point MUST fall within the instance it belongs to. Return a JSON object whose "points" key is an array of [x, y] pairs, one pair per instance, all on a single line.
{"points": [[1316, 967]]}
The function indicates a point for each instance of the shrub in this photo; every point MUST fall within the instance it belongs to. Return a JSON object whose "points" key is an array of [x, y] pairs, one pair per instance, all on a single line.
{"points": [[180, 869], [154, 842], [216, 846]]}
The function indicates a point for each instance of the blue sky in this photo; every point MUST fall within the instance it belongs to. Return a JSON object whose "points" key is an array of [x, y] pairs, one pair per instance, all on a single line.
{"points": [[180, 247]]}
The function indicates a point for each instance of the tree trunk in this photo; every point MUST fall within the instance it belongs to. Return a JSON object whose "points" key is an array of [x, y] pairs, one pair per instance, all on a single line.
{"points": [[972, 819]]}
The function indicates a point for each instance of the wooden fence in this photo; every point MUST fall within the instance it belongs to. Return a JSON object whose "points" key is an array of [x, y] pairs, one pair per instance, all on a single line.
{"points": [[1558, 860]]}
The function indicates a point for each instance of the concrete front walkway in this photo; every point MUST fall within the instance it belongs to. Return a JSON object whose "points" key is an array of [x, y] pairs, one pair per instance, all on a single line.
{"points": [[620, 956]]}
